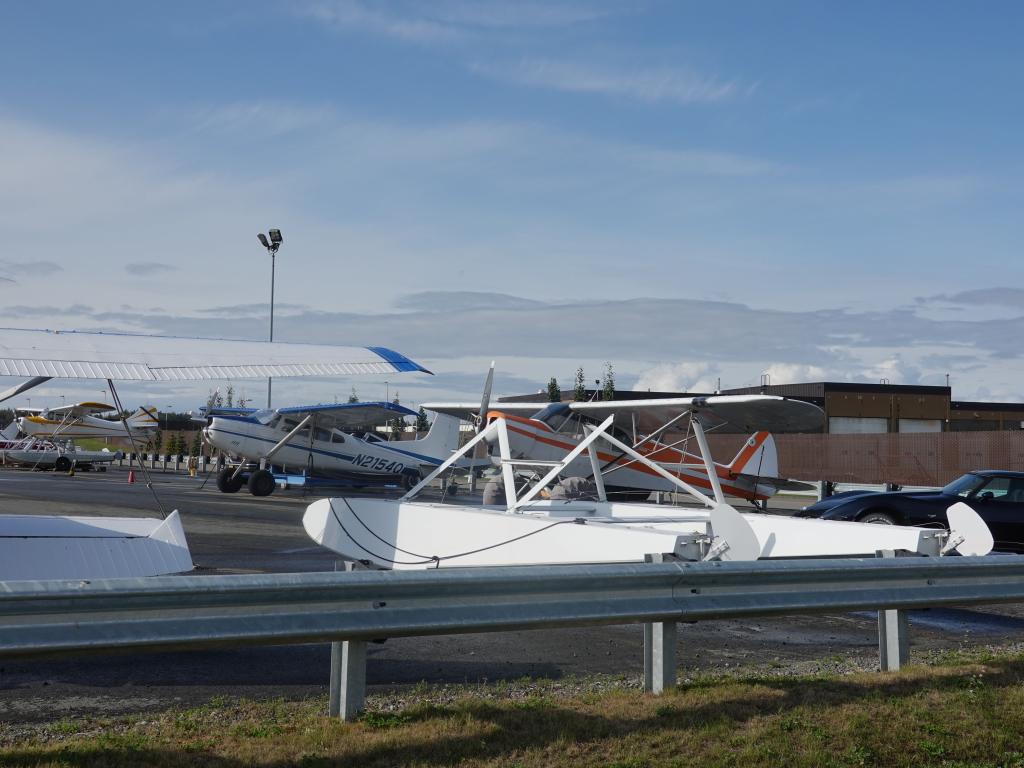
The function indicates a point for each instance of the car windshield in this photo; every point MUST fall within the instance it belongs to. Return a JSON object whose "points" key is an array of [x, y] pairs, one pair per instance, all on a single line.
{"points": [[964, 485]]}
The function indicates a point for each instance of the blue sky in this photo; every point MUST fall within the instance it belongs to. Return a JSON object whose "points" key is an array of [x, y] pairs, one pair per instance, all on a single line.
{"points": [[689, 191]]}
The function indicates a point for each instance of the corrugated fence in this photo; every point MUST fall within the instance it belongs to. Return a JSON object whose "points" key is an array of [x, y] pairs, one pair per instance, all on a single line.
{"points": [[906, 459]]}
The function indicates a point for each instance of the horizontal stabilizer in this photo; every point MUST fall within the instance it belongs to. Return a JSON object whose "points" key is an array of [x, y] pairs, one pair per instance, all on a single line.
{"points": [[49, 547]]}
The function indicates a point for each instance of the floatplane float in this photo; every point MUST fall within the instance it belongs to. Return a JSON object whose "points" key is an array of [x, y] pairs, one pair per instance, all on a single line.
{"points": [[408, 533], [63, 547]]}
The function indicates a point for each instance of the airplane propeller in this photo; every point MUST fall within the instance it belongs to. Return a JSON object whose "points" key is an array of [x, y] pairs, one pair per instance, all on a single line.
{"points": [[485, 400]]}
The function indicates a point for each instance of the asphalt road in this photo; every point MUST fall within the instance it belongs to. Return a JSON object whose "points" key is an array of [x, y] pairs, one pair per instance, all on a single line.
{"points": [[242, 534]]}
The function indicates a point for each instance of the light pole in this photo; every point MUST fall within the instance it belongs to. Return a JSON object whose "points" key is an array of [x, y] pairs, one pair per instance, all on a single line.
{"points": [[271, 245]]}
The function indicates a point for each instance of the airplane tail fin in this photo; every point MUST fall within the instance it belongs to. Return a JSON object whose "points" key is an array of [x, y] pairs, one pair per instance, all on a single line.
{"points": [[144, 418], [757, 458], [442, 439], [10, 432]]}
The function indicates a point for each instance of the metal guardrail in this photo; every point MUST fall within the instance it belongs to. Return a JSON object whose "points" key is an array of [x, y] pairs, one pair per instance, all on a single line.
{"points": [[203, 611]]}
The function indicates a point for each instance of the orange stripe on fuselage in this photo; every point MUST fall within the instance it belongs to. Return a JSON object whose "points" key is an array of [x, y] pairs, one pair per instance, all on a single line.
{"points": [[660, 455]]}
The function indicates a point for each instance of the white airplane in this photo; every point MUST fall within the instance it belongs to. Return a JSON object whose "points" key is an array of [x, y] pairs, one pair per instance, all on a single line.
{"points": [[82, 420], [322, 440], [61, 547], [528, 530], [548, 431]]}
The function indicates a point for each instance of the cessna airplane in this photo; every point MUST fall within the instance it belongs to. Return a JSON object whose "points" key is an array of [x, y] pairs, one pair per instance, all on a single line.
{"points": [[311, 437], [546, 432], [60, 547], [82, 420], [529, 530]]}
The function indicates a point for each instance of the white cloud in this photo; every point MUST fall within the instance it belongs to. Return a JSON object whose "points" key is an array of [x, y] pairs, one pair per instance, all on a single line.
{"points": [[792, 373], [678, 86], [383, 21], [679, 377]]}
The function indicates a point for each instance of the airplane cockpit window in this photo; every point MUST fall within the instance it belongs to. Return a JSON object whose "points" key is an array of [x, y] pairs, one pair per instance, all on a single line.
{"points": [[322, 435], [555, 415], [337, 437], [265, 415]]}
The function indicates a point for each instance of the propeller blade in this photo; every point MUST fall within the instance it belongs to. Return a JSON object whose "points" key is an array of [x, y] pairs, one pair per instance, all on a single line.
{"points": [[485, 401]]}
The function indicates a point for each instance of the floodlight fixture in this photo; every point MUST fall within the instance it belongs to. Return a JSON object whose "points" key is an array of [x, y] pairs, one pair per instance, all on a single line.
{"points": [[263, 240], [275, 237]]}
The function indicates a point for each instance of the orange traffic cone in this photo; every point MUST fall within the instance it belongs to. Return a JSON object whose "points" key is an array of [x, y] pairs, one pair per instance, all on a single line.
{"points": [[131, 475]]}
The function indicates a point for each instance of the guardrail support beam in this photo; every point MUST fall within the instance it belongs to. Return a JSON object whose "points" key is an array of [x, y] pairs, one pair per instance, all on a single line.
{"points": [[893, 635], [659, 649], [659, 657], [348, 679]]}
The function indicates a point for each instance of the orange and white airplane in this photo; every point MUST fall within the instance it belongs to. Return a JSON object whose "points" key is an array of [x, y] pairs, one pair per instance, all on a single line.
{"points": [[82, 420], [546, 432]]}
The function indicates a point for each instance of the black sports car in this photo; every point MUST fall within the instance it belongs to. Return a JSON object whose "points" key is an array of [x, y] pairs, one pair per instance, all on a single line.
{"points": [[997, 497]]}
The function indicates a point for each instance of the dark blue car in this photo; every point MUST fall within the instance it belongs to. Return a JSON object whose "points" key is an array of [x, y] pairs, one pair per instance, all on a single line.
{"points": [[997, 496]]}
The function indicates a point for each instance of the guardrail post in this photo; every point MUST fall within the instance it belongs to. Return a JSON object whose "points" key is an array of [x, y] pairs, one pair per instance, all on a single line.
{"points": [[659, 650], [893, 639], [348, 673], [348, 679]]}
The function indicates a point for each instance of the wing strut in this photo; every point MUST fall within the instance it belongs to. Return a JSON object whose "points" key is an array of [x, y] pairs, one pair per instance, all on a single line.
{"points": [[705, 453]]}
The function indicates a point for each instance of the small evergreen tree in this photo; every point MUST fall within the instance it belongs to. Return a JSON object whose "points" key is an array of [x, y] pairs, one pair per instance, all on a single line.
{"points": [[608, 384], [554, 393], [579, 390], [397, 424], [157, 441], [230, 397], [197, 444], [353, 397], [422, 424]]}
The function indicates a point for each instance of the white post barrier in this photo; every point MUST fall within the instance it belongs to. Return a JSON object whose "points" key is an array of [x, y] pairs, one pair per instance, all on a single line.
{"points": [[893, 634], [659, 650]]}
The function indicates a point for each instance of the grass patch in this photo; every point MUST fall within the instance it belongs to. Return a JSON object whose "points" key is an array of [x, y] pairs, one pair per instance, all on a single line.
{"points": [[968, 713]]}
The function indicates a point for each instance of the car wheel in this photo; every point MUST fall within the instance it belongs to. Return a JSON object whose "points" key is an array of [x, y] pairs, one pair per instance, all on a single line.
{"points": [[225, 483], [878, 518], [261, 483], [63, 464]]}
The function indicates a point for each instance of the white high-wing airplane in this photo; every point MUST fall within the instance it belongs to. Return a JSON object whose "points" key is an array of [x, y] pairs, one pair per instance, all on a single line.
{"points": [[82, 420], [527, 530], [323, 440], [60, 547], [548, 431]]}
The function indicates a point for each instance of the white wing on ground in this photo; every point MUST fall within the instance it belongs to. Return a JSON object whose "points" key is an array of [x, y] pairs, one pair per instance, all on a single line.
{"points": [[49, 547]]}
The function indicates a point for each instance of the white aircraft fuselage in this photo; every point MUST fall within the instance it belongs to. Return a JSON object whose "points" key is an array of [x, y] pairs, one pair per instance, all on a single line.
{"points": [[87, 426], [749, 475], [331, 452]]}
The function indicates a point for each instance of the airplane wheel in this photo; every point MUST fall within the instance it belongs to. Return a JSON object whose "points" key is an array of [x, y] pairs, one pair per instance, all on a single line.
{"points": [[224, 482], [878, 518], [63, 464], [409, 479], [261, 483]]}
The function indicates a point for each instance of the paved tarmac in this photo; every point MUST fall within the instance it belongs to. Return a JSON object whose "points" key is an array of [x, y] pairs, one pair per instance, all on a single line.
{"points": [[242, 534]]}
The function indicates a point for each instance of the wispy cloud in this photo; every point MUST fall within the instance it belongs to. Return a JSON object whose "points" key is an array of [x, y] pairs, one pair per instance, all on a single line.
{"points": [[513, 14], [30, 268], [449, 20], [388, 22], [998, 296], [147, 268], [677, 86]]}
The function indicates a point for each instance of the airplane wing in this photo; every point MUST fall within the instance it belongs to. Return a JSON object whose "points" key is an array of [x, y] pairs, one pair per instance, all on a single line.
{"points": [[469, 411], [78, 410], [346, 416], [747, 412], [137, 357]]}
